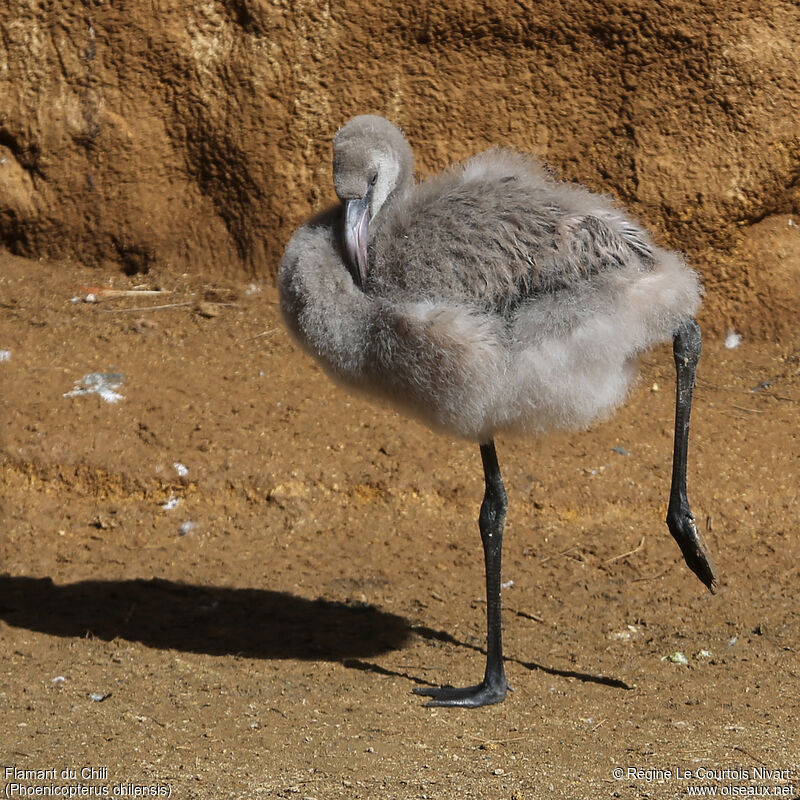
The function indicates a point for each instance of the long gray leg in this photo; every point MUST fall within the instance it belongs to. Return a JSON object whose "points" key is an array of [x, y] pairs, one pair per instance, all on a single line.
{"points": [[687, 344], [493, 687]]}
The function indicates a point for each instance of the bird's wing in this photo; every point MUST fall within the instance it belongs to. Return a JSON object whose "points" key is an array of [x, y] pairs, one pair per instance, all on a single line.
{"points": [[496, 232], [586, 244], [570, 250]]}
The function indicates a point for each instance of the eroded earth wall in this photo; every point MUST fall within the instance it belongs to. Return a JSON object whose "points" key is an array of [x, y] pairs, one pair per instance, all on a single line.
{"points": [[196, 135]]}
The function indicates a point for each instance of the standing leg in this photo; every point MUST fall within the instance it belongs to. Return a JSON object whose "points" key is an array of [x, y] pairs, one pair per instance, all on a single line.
{"points": [[493, 687], [687, 344]]}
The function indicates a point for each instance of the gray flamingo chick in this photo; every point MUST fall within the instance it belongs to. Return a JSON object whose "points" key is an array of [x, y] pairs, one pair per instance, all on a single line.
{"points": [[488, 298]]}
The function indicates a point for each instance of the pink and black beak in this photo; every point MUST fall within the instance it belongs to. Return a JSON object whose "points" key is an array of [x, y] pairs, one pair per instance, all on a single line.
{"points": [[356, 229]]}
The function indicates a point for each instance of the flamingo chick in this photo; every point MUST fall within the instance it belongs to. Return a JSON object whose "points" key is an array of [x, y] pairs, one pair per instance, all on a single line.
{"points": [[488, 298]]}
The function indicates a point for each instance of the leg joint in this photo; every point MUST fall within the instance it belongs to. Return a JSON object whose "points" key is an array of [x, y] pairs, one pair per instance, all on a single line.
{"points": [[687, 342]]}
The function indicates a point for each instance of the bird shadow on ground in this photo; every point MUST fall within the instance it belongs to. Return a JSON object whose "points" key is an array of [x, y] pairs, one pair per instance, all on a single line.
{"points": [[217, 620], [441, 636], [586, 677]]}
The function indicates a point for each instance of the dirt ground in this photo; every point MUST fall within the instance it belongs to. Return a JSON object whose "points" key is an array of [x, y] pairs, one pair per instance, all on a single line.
{"points": [[319, 558]]}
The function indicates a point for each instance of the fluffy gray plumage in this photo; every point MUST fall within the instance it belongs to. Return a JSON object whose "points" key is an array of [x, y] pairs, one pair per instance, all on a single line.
{"points": [[495, 298]]}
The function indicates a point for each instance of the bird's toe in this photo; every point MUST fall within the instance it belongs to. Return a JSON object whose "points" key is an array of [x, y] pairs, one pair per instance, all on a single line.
{"points": [[682, 526], [483, 694]]}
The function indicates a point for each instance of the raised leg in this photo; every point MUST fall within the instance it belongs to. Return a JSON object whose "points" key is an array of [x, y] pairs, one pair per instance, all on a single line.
{"points": [[687, 344], [493, 687]]}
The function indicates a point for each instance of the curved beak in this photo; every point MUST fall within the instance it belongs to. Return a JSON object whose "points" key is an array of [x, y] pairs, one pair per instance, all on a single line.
{"points": [[356, 226]]}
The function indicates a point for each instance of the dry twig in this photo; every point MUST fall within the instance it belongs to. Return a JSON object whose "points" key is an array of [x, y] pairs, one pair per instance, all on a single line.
{"points": [[629, 553]]}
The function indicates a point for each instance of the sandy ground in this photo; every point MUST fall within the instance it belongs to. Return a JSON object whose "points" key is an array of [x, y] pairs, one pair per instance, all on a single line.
{"points": [[260, 636]]}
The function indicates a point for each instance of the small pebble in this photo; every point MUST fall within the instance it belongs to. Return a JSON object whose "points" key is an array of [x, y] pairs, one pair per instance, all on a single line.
{"points": [[98, 697], [677, 658]]}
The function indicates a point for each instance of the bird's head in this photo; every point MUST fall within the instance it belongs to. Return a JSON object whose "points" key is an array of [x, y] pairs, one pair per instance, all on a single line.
{"points": [[371, 161]]}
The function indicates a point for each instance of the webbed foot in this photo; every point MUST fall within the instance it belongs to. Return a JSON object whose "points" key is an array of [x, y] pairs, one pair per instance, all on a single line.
{"points": [[486, 693], [682, 526]]}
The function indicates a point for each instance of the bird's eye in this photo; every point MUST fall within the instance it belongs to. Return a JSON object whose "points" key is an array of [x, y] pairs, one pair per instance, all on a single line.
{"points": [[373, 178]]}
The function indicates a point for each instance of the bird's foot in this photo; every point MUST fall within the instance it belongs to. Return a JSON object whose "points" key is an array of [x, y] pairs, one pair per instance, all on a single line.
{"points": [[485, 693], [681, 524]]}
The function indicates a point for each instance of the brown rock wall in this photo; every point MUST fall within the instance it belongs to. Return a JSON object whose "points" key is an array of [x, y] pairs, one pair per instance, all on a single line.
{"points": [[196, 135]]}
